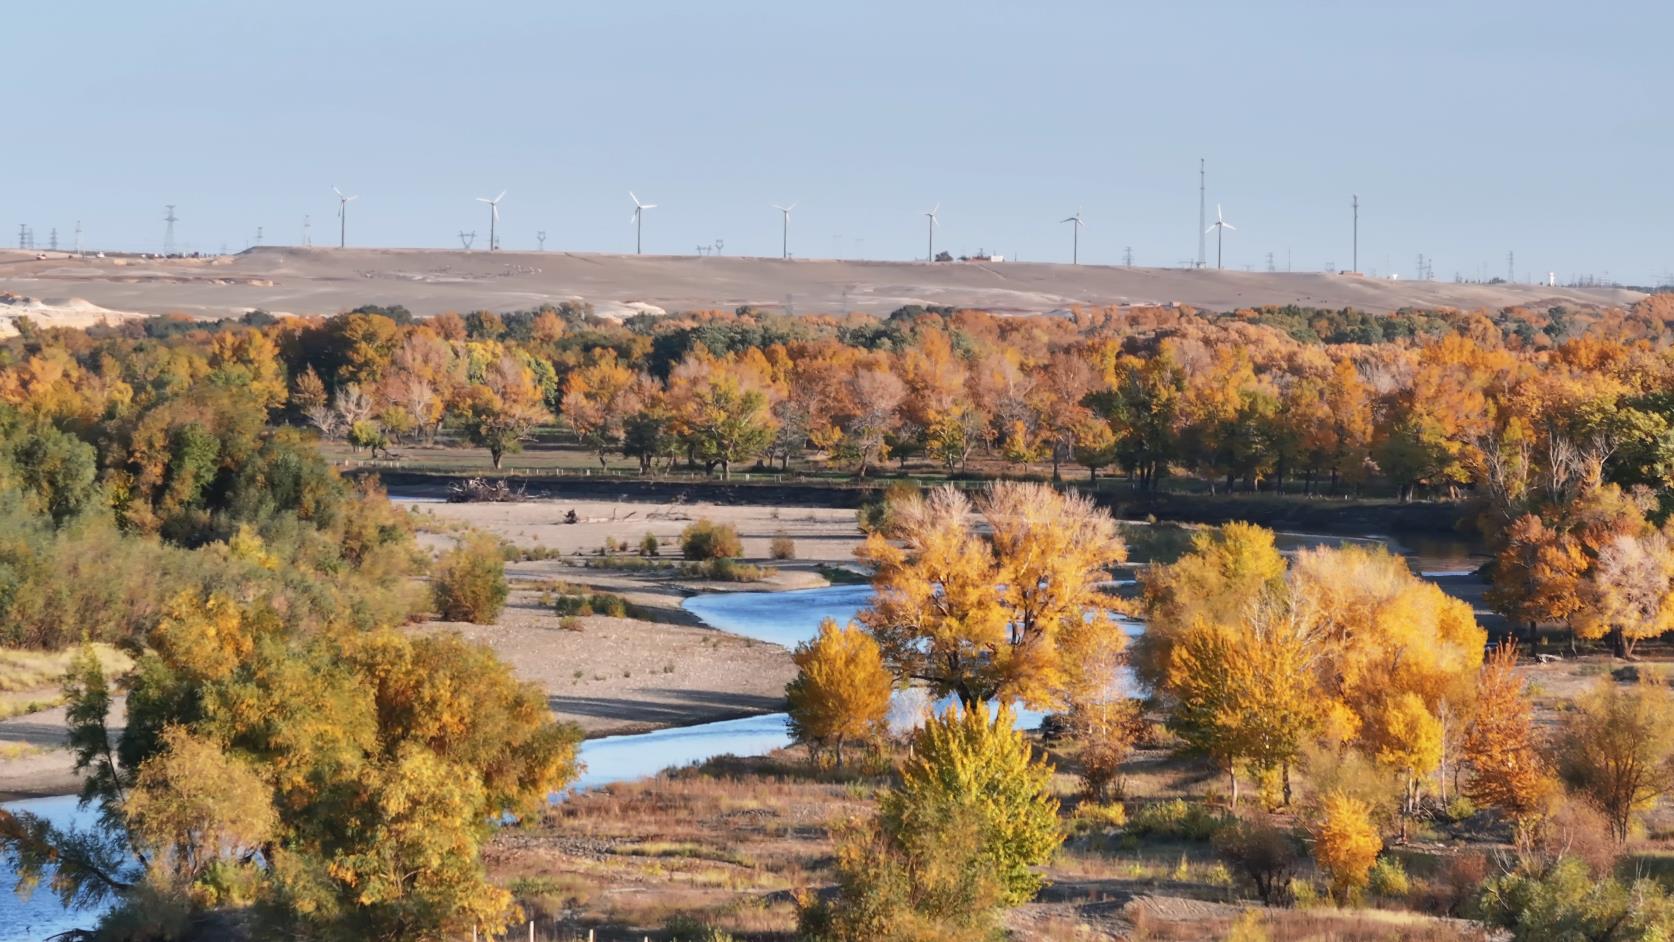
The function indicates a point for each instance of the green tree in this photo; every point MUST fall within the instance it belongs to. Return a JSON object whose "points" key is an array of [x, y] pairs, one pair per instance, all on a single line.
{"points": [[967, 758]]}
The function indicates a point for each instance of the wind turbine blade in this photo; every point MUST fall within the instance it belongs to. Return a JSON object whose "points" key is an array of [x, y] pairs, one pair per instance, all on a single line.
{"points": [[790, 207], [496, 210], [334, 189], [649, 206], [1211, 229], [484, 199], [634, 198], [500, 197], [1230, 226], [351, 199], [1218, 211]]}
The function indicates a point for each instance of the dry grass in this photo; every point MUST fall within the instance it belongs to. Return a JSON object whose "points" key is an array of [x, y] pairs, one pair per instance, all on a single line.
{"points": [[39, 670], [19, 750], [725, 844]]}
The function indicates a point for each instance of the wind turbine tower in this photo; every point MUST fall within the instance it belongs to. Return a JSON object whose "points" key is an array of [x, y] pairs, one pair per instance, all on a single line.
{"points": [[1219, 228], [1202, 192], [1357, 232], [493, 217], [343, 216], [638, 219], [168, 230], [1075, 243], [933, 222], [784, 234]]}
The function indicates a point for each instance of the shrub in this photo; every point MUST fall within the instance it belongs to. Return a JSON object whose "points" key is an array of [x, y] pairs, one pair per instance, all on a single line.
{"points": [[1566, 901], [1454, 887], [687, 929], [1248, 927], [469, 581], [782, 547], [1388, 879], [1264, 855], [1094, 814], [1345, 843], [964, 758], [1461, 809], [591, 603], [841, 690], [1105, 731], [1176, 820], [705, 539], [934, 881], [648, 545]]}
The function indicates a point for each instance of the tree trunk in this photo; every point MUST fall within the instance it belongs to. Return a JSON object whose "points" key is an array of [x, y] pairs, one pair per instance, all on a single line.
{"points": [[496, 455]]}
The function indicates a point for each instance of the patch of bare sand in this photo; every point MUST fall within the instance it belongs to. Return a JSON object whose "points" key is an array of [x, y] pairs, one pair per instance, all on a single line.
{"points": [[820, 535], [45, 766], [625, 675]]}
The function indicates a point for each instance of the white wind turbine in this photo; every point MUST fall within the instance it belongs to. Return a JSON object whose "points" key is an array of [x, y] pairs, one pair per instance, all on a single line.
{"points": [[638, 219], [1075, 246], [343, 215], [1219, 228], [784, 237], [934, 221], [493, 217]]}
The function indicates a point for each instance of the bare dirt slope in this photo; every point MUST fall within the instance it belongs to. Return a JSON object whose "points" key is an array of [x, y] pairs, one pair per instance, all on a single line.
{"points": [[324, 281]]}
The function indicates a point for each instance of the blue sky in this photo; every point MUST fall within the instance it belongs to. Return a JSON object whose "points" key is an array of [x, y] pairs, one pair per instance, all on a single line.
{"points": [[1467, 129]]}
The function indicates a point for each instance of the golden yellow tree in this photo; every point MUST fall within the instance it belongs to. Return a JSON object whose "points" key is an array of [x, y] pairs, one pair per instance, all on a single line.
{"points": [[1016, 614], [1227, 570], [1346, 843], [1248, 692], [842, 690]]}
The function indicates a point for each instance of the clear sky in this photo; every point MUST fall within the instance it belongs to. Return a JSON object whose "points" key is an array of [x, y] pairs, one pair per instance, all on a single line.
{"points": [[1468, 129]]}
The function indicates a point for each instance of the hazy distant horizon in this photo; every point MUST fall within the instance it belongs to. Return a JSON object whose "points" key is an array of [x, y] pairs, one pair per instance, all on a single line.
{"points": [[1467, 134]]}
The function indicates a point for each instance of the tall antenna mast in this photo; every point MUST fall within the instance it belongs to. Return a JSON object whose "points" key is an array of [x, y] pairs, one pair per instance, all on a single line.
{"points": [[168, 232], [1202, 209], [541, 238], [1510, 268], [1127, 256], [78, 236], [1357, 232], [307, 222]]}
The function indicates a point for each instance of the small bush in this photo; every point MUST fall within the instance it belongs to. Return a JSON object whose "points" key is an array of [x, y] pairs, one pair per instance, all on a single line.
{"points": [[1099, 816], [1248, 927], [570, 623], [1176, 820], [1461, 809], [687, 929], [648, 545], [469, 581], [1388, 879], [704, 539], [1264, 855], [782, 547], [592, 603]]}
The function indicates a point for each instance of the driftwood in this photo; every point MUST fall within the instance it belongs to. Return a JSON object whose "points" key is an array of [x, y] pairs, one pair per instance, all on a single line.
{"points": [[482, 490]]}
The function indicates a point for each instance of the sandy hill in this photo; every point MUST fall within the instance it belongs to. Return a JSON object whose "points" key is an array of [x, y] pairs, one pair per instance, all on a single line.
{"points": [[316, 280], [58, 312]]}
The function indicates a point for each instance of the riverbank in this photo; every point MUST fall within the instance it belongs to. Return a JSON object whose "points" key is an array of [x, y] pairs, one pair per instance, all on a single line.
{"points": [[1341, 516]]}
